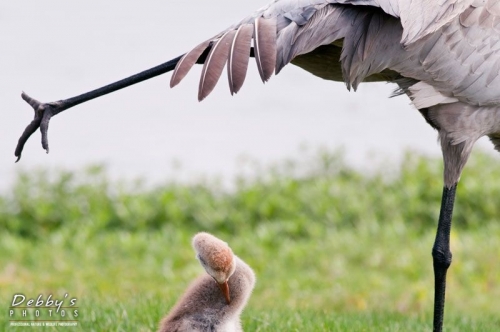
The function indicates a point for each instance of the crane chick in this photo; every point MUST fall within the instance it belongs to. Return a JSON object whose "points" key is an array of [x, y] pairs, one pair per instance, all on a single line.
{"points": [[214, 301]]}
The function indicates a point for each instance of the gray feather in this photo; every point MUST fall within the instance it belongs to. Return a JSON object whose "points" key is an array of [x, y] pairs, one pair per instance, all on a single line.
{"points": [[187, 62], [214, 64], [286, 37], [239, 55], [300, 15], [265, 46], [452, 45], [420, 18], [444, 54], [493, 73], [470, 16]]}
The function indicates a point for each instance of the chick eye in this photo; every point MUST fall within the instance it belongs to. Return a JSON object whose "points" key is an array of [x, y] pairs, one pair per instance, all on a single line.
{"points": [[201, 260]]}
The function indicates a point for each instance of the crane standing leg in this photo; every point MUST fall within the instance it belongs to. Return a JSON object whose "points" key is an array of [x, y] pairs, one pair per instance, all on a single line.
{"points": [[441, 254]]}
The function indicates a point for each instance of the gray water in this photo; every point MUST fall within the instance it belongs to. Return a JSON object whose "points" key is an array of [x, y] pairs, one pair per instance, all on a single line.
{"points": [[55, 49]]}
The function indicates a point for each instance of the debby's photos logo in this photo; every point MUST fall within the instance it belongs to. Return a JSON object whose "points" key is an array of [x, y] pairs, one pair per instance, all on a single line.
{"points": [[43, 311]]}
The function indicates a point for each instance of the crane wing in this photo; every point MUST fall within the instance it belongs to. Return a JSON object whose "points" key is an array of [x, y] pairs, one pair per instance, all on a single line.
{"points": [[451, 46], [418, 17], [422, 17], [462, 61], [282, 31]]}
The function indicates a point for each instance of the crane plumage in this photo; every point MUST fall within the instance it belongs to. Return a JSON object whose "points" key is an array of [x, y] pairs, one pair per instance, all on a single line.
{"points": [[443, 54], [448, 66], [457, 56]]}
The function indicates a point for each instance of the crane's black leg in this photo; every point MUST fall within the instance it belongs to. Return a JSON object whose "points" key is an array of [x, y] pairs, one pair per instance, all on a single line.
{"points": [[45, 111], [441, 254]]}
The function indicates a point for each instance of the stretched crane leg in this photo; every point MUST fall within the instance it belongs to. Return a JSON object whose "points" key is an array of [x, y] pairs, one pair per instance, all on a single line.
{"points": [[441, 254]]}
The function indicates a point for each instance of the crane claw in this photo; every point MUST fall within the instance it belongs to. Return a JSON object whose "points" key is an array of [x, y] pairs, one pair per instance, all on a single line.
{"points": [[43, 113]]}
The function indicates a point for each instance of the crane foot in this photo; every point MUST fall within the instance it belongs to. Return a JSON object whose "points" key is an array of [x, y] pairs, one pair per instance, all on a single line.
{"points": [[43, 113]]}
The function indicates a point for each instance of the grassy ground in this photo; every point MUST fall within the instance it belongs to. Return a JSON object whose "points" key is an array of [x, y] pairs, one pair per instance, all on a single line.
{"points": [[333, 250]]}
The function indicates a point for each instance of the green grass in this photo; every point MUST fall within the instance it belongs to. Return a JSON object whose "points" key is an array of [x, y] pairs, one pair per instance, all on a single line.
{"points": [[333, 249]]}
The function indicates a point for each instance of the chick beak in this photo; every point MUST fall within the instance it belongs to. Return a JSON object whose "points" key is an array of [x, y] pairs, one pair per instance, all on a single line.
{"points": [[224, 287]]}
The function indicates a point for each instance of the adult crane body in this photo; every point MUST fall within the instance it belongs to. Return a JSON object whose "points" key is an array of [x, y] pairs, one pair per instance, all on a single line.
{"points": [[443, 54]]}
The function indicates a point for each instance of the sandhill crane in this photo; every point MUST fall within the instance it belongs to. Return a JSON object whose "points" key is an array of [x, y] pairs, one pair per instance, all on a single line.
{"points": [[443, 54], [214, 301]]}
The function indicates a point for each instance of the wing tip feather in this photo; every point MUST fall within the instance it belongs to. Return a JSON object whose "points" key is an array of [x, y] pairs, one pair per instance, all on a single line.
{"points": [[214, 64], [187, 62], [265, 46], [239, 56]]}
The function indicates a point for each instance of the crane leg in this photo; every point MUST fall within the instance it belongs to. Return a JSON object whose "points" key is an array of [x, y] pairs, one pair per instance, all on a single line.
{"points": [[441, 254]]}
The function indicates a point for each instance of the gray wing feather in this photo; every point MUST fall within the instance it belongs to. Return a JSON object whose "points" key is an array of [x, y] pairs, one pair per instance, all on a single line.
{"points": [[422, 17], [452, 45], [419, 18], [265, 46], [283, 30], [462, 59], [286, 37], [214, 64], [237, 63], [187, 62], [300, 15], [370, 39]]}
